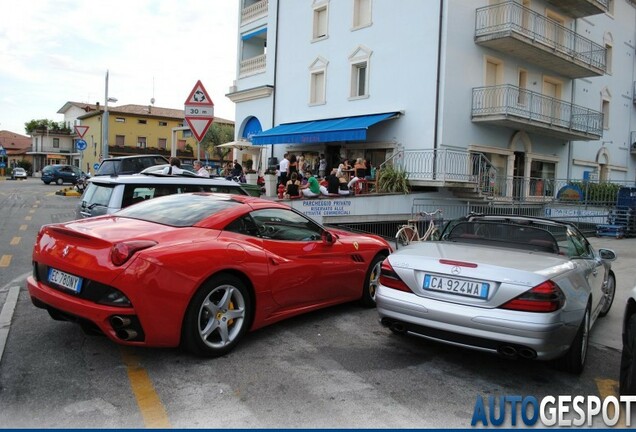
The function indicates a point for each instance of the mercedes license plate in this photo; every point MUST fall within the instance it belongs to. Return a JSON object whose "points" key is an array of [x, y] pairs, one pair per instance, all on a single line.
{"points": [[65, 280], [456, 286]]}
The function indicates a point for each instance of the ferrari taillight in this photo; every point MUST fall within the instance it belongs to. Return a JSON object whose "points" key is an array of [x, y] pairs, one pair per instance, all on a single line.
{"points": [[390, 279], [121, 252], [545, 297]]}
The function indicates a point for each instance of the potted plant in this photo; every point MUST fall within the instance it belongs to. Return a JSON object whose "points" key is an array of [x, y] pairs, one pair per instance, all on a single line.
{"points": [[393, 180], [251, 176]]}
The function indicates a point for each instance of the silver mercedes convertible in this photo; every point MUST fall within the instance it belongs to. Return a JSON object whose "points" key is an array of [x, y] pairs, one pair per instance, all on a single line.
{"points": [[513, 285]]}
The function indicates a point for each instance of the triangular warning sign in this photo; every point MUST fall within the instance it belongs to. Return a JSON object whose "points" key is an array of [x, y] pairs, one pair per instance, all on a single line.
{"points": [[199, 126], [199, 96], [81, 130]]}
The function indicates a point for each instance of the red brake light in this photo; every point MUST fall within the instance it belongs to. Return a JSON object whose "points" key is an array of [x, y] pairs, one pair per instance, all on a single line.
{"points": [[121, 252], [390, 279], [545, 297]]}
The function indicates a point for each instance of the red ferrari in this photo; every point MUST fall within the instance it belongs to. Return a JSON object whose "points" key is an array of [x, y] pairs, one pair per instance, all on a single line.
{"points": [[198, 270]]}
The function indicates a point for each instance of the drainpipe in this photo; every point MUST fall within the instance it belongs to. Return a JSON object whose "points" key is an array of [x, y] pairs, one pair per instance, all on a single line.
{"points": [[275, 72], [437, 91]]}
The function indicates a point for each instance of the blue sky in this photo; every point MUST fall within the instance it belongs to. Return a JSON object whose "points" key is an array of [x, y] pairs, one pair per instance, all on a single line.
{"points": [[56, 51]]}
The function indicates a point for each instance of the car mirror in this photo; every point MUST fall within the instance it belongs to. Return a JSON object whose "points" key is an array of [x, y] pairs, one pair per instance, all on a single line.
{"points": [[327, 238], [607, 254]]}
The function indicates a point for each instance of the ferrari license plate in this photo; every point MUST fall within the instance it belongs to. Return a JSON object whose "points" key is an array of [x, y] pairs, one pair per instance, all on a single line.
{"points": [[456, 286], [65, 280]]}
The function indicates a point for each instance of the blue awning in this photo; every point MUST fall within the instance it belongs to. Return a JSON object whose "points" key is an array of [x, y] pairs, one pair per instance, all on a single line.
{"points": [[316, 131]]}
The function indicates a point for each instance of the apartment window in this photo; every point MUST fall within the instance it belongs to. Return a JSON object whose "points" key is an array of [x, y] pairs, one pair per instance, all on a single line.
{"points": [[606, 113], [141, 142], [317, 81], [359, 80], [608, 40], [523, 87], [361, 13], [321, 10], [120, 140], [56, 143], [162, 143], [493, 72], [162, 123], [610, 7], [120, 120], [142, 121]]}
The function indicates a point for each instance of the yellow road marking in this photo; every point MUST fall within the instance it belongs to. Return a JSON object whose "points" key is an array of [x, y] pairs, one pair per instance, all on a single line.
{"points": [[152, 410], [32, 211], [28, 218], [609, 387], [15, 241], [5, 260], [23, 227]]}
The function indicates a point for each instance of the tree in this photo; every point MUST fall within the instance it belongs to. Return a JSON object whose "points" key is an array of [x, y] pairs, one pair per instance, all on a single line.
{"points": [[218, 134], [45, 124]]}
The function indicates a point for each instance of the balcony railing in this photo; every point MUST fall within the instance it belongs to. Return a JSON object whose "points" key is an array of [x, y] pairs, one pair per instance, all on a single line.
{"points": [[254, 11], [253, 65], [514, 29], [509, 105]]}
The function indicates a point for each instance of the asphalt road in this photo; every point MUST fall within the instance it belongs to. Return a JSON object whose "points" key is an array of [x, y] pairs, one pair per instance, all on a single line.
{"points": [[333, 368]]}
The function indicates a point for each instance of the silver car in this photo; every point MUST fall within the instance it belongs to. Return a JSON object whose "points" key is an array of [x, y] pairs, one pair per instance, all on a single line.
{"points": [[628, 358], [512, 285]]}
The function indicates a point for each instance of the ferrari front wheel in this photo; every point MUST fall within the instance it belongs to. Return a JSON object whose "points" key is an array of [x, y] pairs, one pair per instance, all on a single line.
{"points": [[217, 317], [372, 280]]}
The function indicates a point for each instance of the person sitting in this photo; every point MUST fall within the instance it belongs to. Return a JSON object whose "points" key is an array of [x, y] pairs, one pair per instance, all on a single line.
{"points": [[313, 189], [174, 168], [360, 172], [292, 188], [237, 169], [333, 184], [201, 171]]}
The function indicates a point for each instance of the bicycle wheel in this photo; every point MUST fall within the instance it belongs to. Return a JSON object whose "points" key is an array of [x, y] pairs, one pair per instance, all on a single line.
{"points": [[405, 236]]}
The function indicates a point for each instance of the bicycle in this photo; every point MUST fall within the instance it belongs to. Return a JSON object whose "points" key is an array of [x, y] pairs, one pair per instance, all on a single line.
{"points": [[410, 233]]}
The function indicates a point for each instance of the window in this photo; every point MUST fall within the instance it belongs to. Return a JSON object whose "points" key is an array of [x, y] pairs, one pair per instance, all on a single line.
{"points": [[141, 142], [523, 87], [120, 140], [608, 40], [359, 61], [142, 121], [56, 143], [161, 143], [606, 113], [361, 13], [317, 84], [320, 20], [163, 123], [286, 225], [120, 120]]}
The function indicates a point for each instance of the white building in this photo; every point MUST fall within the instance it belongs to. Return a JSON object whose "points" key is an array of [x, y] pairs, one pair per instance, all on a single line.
{"points": [[510, 95]]}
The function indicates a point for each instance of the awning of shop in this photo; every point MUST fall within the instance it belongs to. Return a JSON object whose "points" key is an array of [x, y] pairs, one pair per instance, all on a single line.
{"points": [[55, 156], [327, 130]]}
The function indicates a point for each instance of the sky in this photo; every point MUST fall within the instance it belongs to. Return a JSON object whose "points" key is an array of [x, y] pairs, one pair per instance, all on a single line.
{"points": [[56, 51]]}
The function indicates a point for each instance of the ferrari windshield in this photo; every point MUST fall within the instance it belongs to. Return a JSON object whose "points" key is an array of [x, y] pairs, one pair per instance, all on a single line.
{"points": [[179, 210]]}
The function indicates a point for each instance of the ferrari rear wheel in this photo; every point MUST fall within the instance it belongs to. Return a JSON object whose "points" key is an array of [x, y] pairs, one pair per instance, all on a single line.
{"points": [[217, 317], [371, 281], [574, 360], [608, 294], [628, 359]]}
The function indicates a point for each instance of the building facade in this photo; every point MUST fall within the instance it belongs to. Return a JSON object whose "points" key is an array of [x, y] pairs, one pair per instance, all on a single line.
{"points": [[508, 95]]}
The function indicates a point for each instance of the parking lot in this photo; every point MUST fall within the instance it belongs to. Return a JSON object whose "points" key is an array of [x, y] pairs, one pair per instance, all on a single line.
{"points": [[333, 368]]}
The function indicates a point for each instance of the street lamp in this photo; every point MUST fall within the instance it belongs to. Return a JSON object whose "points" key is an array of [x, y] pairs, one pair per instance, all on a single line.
{"points": [[105, 120]]}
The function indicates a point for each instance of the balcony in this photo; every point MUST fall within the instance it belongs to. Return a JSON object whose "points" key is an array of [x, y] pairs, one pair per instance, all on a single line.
{"points": [[581, 8], [252, 66], [518, 31], [254, 11], [517, 108]]}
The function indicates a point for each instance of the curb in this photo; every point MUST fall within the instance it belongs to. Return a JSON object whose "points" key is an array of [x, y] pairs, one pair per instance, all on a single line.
{"points": [[68, 192]]}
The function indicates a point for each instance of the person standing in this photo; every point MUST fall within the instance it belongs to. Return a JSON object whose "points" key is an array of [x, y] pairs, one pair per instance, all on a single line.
{"points": [[322, 166], [200, 169], [282, 170]]}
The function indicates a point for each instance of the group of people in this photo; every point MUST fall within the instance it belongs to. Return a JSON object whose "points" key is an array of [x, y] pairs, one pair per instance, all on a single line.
{"points": [[298, 180], [175, 168]]}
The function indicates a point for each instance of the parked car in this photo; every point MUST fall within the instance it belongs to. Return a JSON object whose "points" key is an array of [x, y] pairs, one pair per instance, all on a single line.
{"points": [[628, 358], [106, 195], [60, 174], [518, 286], [18, 173], [198, 270], [129, 164]]}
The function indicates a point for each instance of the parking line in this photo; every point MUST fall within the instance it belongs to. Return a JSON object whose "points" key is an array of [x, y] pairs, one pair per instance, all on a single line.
{"points": [[31, 211], [5, 260], [609, 387], [6, 315], [28, 218], [23, 227], [15, 241], [150, 406]]}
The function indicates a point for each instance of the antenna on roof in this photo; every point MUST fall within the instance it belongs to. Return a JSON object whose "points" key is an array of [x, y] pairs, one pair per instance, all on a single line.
{"points": [[152, 99]]}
